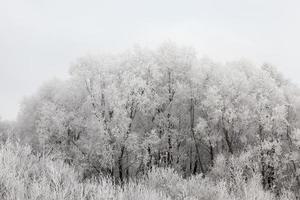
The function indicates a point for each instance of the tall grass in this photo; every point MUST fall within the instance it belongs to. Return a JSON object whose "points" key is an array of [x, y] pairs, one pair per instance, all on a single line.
{"points": [[24, 176]]}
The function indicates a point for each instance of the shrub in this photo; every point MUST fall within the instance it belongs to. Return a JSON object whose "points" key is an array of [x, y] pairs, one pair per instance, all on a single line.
{"points": [[25, 176]]}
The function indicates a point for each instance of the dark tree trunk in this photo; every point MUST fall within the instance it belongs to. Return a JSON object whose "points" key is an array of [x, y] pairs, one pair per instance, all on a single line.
{"points": [[227, 140], [195, 168], [128, 166], [169, 153], [120, 165], [149, 162], [211, 152], [192, 124]]}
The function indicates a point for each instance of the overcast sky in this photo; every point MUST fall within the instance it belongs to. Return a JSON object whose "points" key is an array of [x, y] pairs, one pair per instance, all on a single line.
{"points": [[40, 38]]}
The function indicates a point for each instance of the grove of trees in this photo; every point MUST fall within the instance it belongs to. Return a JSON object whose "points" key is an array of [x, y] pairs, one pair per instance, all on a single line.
{"points": [[122, 115]]}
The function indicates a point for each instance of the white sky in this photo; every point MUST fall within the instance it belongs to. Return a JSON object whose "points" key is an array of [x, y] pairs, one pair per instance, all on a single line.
{"points": [[40, 38]]}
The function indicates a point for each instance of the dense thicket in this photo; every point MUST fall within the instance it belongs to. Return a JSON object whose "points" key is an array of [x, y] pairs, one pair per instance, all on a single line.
{"points": [[122, 115], [24, 176]]}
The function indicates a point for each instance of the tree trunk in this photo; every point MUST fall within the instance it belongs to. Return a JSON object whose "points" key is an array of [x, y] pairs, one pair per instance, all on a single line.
{"points": [[211, 152], [120, 165], [128, 166], [149, 162], [171, 95], [195, 167], [192, 124], [227, 139], [169, 153]]}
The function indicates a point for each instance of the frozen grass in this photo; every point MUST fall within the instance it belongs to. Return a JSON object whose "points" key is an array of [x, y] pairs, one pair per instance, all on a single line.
{"points": [[24, 176]]}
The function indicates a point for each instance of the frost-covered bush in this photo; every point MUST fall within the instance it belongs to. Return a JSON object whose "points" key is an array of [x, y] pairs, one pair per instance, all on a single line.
{"points": [[166, 180], [25, 176], [198, 187]]}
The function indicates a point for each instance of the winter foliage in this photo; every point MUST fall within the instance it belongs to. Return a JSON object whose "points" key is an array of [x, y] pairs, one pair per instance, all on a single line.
{"points": [[156, 124]]}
